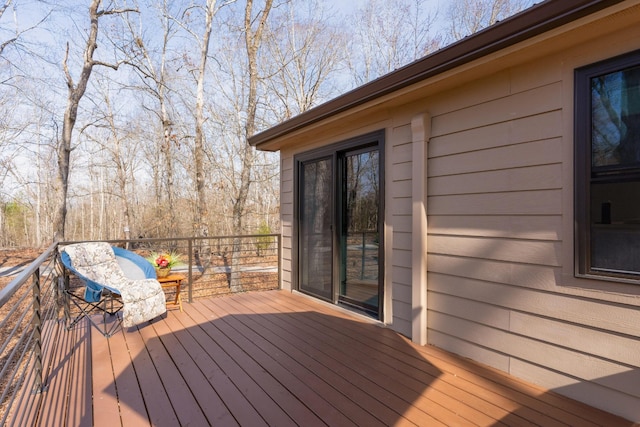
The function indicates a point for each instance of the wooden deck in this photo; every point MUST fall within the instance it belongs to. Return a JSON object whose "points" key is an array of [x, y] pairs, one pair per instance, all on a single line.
{"points": [[280, 359]]}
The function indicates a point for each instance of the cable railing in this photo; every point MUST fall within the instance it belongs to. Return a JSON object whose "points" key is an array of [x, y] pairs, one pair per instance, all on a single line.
{"points": [[34, 311], [28, 311]]}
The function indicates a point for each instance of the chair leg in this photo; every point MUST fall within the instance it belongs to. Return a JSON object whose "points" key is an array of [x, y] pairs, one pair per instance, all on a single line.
{"points": [[85, 311], [109, 331]]}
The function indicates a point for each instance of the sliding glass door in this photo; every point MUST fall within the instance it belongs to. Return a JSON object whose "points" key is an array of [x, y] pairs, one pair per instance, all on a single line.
{"points": [[359, 236], [316, 217], [339, 193]]}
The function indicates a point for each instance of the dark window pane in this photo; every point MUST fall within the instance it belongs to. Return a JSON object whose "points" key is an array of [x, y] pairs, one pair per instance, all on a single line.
{"points": [[615, 227], [615, 119]]}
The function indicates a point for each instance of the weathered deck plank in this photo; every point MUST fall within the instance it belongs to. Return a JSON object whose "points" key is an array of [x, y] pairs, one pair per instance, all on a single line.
{"points": [[276, 358]]}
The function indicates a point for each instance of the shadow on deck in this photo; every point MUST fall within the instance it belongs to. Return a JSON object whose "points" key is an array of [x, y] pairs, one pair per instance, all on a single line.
{"points": [[276, 358]]}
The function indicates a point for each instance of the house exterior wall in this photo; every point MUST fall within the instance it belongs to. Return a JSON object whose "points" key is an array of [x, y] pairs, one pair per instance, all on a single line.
{"points": [[501, 285], [500, 254]]}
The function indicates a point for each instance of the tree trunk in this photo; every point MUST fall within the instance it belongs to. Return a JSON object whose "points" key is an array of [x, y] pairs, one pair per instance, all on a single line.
{"points": [[253, 39], [74, 95], [200, 223]]}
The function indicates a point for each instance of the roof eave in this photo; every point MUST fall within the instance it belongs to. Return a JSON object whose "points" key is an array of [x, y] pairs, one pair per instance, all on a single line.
{"points": [[527, 24]]}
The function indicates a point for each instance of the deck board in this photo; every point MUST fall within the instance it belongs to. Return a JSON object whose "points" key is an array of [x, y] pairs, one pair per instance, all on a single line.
{"points": [[391, 407], [132, 407], [157, 402], [235, 364], [105, 403], [260, 367], [182, 400], [277, 358], [343, 381], [79, 401]]}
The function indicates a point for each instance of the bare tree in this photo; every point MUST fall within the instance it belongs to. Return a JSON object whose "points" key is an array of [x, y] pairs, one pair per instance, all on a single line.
{"points": [[388, 34], [121, 147], [152, 69], [201, 227], [16, 32], [253, 27], [466, 17], [75, 93], [304, 51]]}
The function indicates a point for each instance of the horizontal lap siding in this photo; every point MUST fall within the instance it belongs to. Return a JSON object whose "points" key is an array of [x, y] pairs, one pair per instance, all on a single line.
{"points": [[495, 245], [399, 210], [286, 218]]}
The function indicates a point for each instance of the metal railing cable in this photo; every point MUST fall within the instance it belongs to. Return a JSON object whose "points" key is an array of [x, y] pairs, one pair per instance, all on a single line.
{"points": [[34, 311], [27, 303]]}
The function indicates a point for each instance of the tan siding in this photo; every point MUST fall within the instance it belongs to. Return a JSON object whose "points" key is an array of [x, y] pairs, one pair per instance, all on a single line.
{"points": [[594, 314], [402, 292], [286, 200], [400, 189], [522, 179], [534, 153], [580, 338], [525, 275], [399, 177], [536, 74], [402, 317], [588, 392], [401, 172], [486, 314], [469, 94], [546, 202], [523, 104], [402, 276], [518, 227], [401, 258], [286, 218], [402, 223], [401, 132], [287, 187], [401, 152], [402, 241], [520, 251], [472, 351], [541, 126], [582, 366]]}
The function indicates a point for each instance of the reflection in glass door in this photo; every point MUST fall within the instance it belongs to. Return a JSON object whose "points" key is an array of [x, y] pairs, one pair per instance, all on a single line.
{"points": [[339, 205], [359, 225], [315, 233]]}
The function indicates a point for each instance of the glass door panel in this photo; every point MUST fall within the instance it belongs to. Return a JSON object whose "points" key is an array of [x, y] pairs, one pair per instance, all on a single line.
{"points": [[360, 238], [315, 234]]}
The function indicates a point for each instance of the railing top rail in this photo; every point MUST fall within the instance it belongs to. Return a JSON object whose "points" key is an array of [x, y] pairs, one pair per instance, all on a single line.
{"points": [[14, 285], [163, 239]]}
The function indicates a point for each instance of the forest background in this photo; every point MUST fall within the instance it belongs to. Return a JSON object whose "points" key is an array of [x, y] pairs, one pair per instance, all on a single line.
{"points": [[124, 119]]}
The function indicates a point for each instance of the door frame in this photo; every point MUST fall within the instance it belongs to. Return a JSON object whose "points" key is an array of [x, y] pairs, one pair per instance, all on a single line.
{"points": [[334, 151]]}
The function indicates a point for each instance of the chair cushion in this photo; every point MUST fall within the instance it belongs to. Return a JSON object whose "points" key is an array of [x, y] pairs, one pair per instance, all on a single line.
{"points": [[143, 299], [96, 261]]}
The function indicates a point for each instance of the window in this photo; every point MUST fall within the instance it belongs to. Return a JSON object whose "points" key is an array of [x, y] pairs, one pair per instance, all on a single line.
{"points": [[607, 156]]}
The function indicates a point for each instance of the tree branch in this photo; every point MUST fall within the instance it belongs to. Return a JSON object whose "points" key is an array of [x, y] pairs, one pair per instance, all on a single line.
{"points": [[65, 68], [115, 12], [106, 64]]}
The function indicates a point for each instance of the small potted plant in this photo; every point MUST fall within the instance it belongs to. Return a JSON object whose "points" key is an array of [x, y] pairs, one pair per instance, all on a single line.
{"points": [[163, 262]]}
